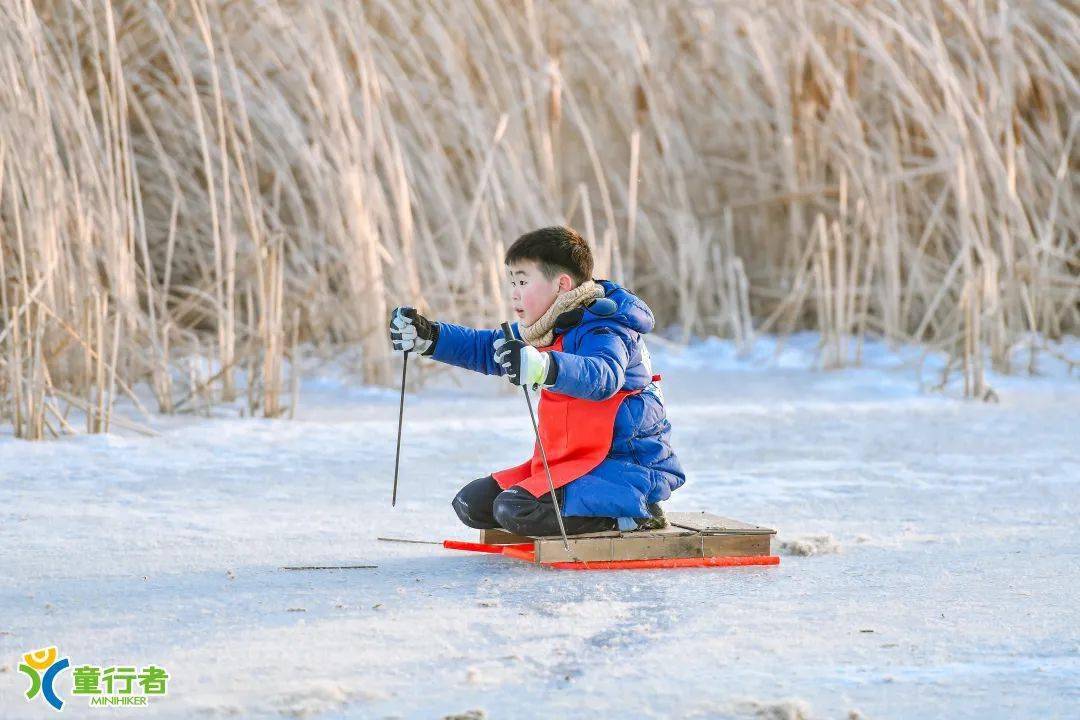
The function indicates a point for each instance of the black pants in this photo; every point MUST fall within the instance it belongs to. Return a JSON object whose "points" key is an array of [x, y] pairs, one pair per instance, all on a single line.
{"points": [[482, 504]]}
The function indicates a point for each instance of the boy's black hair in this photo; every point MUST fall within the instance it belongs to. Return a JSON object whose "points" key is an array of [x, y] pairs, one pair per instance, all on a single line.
{"points": [[556, 250]]}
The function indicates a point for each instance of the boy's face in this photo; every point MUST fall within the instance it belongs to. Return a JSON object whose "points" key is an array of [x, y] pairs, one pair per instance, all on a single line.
{"points": [[531, 293]]}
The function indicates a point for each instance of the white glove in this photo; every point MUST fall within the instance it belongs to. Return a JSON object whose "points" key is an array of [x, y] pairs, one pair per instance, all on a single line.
{"points": [[524, 364]]}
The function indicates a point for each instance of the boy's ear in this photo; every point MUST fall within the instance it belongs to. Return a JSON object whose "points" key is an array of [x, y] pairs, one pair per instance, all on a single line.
{"points": [[565, 283]]}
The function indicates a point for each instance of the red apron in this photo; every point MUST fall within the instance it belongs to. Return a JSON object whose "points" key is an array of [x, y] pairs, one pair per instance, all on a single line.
{"points": [[576, 434]]}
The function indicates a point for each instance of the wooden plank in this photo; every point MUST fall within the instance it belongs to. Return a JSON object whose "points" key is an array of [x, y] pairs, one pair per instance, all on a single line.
{"points": [[667, 543], [663, 532], [708, 523], [742, 545], [657, 545], [602, 545], [498, 536], [669, 563], [697, 534], [581, 548]]}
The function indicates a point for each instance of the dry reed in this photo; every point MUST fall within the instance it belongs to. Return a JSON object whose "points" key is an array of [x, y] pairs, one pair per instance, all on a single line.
{"points": [[188, 180]]}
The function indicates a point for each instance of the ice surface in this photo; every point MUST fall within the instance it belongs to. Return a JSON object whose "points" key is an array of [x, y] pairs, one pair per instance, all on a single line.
{"points": [[947, 588]]}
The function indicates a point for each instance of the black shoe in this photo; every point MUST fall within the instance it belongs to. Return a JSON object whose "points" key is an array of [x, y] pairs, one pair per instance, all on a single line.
{"points": [[656, 519]]}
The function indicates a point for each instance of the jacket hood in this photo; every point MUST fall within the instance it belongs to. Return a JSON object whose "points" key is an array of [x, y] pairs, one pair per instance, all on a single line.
{"points": [[629, 310]]}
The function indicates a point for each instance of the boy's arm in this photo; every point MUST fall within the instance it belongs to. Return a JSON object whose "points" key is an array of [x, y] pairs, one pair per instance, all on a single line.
{"points": [[469, 348], [597, 370]]}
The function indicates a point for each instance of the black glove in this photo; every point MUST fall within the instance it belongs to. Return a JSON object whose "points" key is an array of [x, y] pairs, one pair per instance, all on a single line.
{"points": [[409, 330], [524, 364]]}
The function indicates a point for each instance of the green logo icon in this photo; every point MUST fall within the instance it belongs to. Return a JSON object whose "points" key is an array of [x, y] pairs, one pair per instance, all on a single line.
{"points": [[114, 685], [42, 667]]}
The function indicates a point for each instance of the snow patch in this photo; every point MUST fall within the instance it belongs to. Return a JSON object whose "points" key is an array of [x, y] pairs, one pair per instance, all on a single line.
{"points": [[808, 545], [221, 709], [319, 697], [792, 709]]}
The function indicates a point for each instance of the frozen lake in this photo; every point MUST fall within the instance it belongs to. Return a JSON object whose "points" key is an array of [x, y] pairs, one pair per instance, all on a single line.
{"points": [[948, 589]]}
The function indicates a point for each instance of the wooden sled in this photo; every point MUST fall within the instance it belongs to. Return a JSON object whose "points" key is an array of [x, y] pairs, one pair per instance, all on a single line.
{"points": [[692, 539]]}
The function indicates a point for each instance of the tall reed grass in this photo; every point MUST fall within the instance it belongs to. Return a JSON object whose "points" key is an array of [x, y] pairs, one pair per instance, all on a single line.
{"points": [[187, 179]]}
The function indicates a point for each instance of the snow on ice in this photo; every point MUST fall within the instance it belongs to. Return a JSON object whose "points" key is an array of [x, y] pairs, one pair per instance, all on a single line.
{"points": [[931, 554]]}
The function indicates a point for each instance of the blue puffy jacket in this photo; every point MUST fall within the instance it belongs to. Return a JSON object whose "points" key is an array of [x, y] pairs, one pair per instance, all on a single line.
{"points": [[603, 352]]}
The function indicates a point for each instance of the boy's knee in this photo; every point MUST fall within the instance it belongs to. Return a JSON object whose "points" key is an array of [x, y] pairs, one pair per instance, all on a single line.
{"points": [[514, 510], [465, 514], [472, 504], [461, 508]]}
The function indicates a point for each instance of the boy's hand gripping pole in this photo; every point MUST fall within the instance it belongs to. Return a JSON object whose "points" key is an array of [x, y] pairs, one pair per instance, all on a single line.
{"points": [[508, 333], [401, 413]]}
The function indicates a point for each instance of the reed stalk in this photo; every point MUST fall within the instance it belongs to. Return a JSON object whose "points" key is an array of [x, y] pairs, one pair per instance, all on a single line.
{"points": [[189, 190]]}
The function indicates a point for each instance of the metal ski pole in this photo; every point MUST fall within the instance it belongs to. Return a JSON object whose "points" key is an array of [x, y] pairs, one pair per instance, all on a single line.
{"points": [[508, 333], [401, 413]]}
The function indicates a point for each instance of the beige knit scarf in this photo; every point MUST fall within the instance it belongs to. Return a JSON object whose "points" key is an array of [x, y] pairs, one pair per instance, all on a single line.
{"points": [[541, 333]]}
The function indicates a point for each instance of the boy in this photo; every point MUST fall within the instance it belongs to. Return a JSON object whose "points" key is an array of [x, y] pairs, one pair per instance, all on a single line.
{"points": [[601, 411]]}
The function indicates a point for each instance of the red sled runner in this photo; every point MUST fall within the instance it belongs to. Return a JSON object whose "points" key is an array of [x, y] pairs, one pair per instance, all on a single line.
{"points": [[690, 540]]}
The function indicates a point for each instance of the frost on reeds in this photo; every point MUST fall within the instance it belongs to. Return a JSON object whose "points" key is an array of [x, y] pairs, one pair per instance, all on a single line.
{"points": [[223, 180]]}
